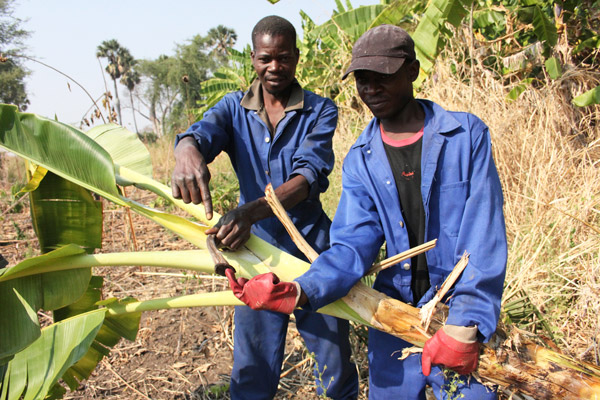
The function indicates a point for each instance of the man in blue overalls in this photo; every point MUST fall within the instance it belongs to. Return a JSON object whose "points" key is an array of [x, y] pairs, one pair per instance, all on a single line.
{"points": [[274, 133], [416, 173]]}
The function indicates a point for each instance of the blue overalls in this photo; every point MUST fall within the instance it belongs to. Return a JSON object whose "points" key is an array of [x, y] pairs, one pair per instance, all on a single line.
{"points": [[463, 201], [301, 144]]}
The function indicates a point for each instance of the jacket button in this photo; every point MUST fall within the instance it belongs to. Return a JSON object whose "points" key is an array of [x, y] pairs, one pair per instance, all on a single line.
{"points": [[406, 266], [368, 151], [388, 182], [267, 139], [401, 224]]}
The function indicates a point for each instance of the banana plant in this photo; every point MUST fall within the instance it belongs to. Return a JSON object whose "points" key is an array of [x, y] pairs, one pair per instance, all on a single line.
{"points": [[238, 75]]}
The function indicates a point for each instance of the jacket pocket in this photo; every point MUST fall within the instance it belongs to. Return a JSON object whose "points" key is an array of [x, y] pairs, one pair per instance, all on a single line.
{"points": [[452, 205]]}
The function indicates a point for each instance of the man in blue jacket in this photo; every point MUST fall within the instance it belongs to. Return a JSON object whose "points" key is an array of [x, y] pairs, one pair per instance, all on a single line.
{"points": [[274, 133], [416, 173]]}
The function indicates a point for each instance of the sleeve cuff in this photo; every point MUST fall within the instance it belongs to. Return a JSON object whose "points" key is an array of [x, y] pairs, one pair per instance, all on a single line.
{"points": [[307, 288], [311, 179], [182, 136]]}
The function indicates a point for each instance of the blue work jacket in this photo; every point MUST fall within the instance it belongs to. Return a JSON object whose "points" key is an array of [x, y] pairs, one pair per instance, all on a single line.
{"points": [[463, 202], [301, 145]]}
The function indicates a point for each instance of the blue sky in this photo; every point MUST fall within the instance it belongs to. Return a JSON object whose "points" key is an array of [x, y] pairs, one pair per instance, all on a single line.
{"points": [[65, 34]]}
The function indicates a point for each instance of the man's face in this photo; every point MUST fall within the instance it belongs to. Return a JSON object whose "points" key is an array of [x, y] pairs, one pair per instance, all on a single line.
{"points": [[386, 95], [275, 59]]}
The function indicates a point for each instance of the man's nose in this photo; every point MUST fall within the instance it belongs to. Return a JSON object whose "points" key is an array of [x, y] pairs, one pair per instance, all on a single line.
{"points": [[274, 65], [370, 87]]}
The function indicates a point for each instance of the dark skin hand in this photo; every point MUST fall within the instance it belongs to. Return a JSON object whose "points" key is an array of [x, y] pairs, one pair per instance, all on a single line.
{"points": [[190, 183], [190, 177], [233, 229]]}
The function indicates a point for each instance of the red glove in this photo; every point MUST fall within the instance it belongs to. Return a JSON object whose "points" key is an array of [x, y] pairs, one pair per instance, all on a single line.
{"points": [[264, 292], [449, 352]]}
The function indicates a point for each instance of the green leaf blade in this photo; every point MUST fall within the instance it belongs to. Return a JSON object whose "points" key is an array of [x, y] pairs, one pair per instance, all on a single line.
{"points": [[59, 148], [553, 67], [588, 98], [543, 27], [63, 212], [59, 346], [123, 146], [28, 287]]}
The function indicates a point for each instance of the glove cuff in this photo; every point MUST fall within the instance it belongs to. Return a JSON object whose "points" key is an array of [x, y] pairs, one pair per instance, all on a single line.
{"points": [[464, 334], [456, 345], [298, 293]]}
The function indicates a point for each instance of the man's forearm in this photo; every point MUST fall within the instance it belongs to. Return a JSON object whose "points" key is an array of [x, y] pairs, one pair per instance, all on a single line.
{"points": [[289, 194]]}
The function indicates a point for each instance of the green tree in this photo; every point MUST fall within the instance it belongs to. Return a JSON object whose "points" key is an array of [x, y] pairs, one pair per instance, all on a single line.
{"points": [[173, 83], [12, 72], [117, 57], [195, 62], [130, 78], [160, 91]]}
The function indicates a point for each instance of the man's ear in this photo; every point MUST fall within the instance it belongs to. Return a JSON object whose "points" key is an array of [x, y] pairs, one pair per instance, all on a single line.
{"points": [[413, 69]]}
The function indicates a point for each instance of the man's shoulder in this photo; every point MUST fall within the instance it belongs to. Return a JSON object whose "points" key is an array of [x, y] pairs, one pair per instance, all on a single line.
{"points": [[231, 100], [445, 120], [235, 95], [313, 98]]}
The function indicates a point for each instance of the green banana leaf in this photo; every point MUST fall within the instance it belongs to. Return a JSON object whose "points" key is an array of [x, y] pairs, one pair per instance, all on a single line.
{"points": [[63, 212], [543, 28], [519, 88], [59, 148], [113, 328], [34, 371], [21, 296], [398, 12], [553, 67], [124, 148], [74, 156], [238, 76], [356, 21], [342, 30], [428, 34]]}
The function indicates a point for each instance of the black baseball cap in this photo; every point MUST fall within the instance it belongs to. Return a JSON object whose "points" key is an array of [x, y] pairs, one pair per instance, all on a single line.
{"points": [[382, 49]]}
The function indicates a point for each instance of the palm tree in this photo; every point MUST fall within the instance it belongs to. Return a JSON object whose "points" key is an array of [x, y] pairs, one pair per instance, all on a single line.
{"points": [[221, 39], [116, 56], [130, 77]]}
